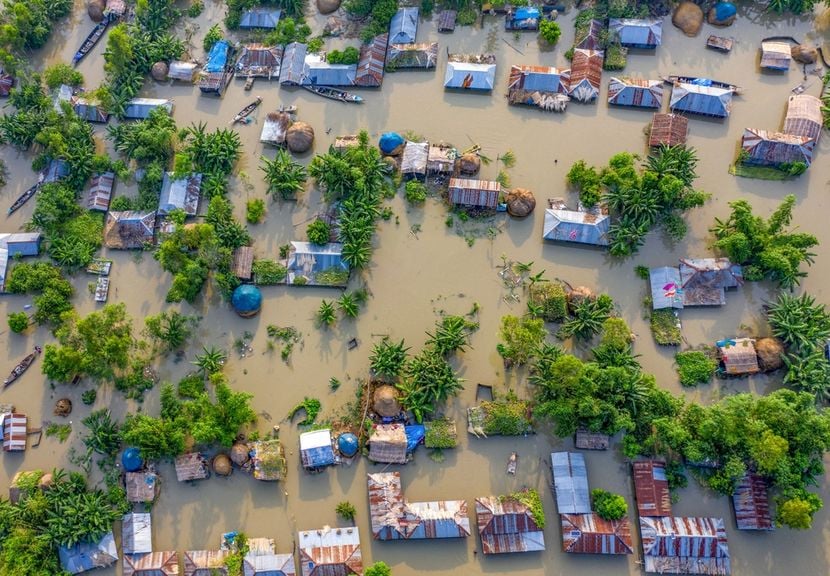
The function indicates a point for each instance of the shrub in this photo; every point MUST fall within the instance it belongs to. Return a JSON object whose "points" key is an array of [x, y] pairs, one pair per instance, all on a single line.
{"points": [[441, 434], [506, 416], [346, 510], [349, 55], [18, 322], [552, 299], [195, 9], [549, 31], [89, 396], [214, 35], [522, 337], [415, 192], [665, 326], [62, 73], [615, 333], [255, 210], [318, 232], [268, 272], [608, 505], [695, 367], [378, 569], [587, 180]]}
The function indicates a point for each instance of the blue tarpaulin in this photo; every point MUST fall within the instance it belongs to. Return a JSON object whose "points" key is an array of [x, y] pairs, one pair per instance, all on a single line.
{"points": [[701, 82], [389, 141], [218, 57], [414, 436], [131, 460], [724, 10], [526, 13]]}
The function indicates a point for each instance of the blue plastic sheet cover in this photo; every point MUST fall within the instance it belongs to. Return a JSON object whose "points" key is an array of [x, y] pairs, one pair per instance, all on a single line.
{"points": [[701, 82], [218, 57], [526, 13], [414, 435]]}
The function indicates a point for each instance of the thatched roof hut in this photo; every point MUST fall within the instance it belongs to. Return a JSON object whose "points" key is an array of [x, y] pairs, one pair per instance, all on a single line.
{"points": [[192, 466], [738, 356], [142, 486], [222, 465], [299, 137], [239, 454], [804, 117], [388, 444], [385, 401]]}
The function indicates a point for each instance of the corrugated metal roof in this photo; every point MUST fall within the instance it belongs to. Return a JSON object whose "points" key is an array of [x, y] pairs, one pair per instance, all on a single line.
{"points": [[685, 545], [704, 280], [56, 170], [470, 76], [414, 158], [776, 55], [751, 502], [21, 243], [404, 26], [293, 63], [541, 78], [330, 552], [765, 148], [372, 62], [651, 489], [591, 39], [90, 111], [668, 129], [590, 534], [570, 483], [317, 72], [259, 61], [191, 466], [184, 71], [181, 194], [804, 117], [506, 525], [446, 20], [476, 193], [316, 449], [205, 563], [140, 108], [130, 229], [260, 17], [576, 226], [307, 260], [100, 191], [421, 56], [585, 74], [14, 431], [702, 100], [136, 533], [666, 291], [243, 261], [523, 18], [636, 32], [587, 440], [88, 556], [4, 267], [155, 564], [269, 565], [635, 92]]}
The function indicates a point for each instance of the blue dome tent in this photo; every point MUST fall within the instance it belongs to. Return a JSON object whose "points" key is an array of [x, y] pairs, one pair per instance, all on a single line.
{"points": [[347, 444], [246, 300], [131, 460]]}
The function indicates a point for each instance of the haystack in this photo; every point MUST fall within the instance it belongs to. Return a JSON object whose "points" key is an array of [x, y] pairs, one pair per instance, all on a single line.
{"points": [[328, 6], [770, 354], [520, 202], [385, 401], [239, 454], [300, 137], [159, 71], [804, 54], [95, 9], [45, 481], [688, 17], [63, 407], [578, 295], [470, 164], [222, 465]]}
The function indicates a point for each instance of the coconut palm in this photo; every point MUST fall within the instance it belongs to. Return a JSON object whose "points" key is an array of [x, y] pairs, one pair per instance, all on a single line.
{"points": [[810, 372], [348, 305], [388, 359], [326, 314], [285, 178], [586, 321], [104, 436], [211, 361], [451, 334], [799, 322]]}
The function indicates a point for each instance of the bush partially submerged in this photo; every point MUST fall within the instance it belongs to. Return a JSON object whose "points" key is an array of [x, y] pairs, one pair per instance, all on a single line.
{"points": [[695, 367]]}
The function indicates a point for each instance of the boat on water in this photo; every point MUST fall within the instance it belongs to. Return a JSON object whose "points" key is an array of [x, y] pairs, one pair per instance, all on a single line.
{"points": [[24, 364], [23, 198], [334, 94], [102, 289], [701, 82], [719, 43], [512, 463], [91, 41], [247, 110]]}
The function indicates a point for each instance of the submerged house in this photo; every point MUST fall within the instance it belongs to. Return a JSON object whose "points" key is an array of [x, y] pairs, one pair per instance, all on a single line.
{"points": [[205, 563], [388, 444], [685, 545], [570, 483], [471, 193], [651, 488], [13, 245], [268, 460], [506, 525], [775, 149], [579, 226], [523, 18], [414, 160], [404, 26], [590, 38], [372, 62], [216, 73], [6, 83], [142, 487], [395, 518], [275, 128], [191, 466], [89, 555], [182, 71], [539, 86], [331, 552], [136, 533], [129, 230], [738, 356], [316, 450], [751, 503], [412, 56], [776, 56], [318, 72], [635, 92], [590, 534], [317, 264], [293, 64], [446, 20], [262, 560], [90, 110], [259, 61], [140, 108], [585, 74], [243, 262], [260, 17], [182, 194], [701, 100], [666, 290], [14, 431], [470, 76], [441, 159], [644, 33], [704, 281], [152, 564], [804, 117], [100, 191], [668, 129], [587, 440]]}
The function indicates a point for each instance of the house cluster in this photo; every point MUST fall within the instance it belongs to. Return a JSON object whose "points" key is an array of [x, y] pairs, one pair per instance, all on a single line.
{"points": [[694, 282]]}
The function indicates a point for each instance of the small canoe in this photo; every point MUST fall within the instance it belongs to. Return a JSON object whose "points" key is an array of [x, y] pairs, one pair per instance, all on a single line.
{"points": [[249, 83], [334, 94], [91, 41], [247, 110], [719, 43], [702, 82], [512, 463], [24, 364], [102, 289], [23, 198]]}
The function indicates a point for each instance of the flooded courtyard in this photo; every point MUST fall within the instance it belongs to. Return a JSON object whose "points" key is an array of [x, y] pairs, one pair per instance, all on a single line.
{"points": [[421, 268]]}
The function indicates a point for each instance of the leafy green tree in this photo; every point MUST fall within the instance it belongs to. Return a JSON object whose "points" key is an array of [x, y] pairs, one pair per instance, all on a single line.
{"points": [[415, 192], [326, 314], [212, 361], [608, 505], [797, 510], [255, 210], [62, 73], [388, 358], [695, 367], [318, 232], [549, 31], [349, 55], [521, 338], [346, 510], [213, 35], [219, 422], [155, 438], [27, 553], [104, 433], [428, 380], [378, 569], [285, 178], [18, 322], [799, 322], [589, 317], [170, 329]]}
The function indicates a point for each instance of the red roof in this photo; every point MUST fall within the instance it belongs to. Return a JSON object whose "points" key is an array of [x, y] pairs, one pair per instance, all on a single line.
{"points": [[651, 488], [751, 501], [590, 534]]}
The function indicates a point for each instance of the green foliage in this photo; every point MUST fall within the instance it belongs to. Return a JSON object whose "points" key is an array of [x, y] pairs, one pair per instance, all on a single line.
{"points": [[155, 438], [378, 12], [615, 333], [549, 31], [170, 330], [195, 9], [587, 180], [349, 55], [506, 416], [608, 505], [530, 498], [797, 508], [268, 272], [427, 381], [695, 367], [104, 433], [589, 317], [27, 553], [59, 431], [808, 370], [27, 25], [191, 386], [346, 510], [415, 192], [642, 272], [217, 422], [18, 322], [255, 210], [53, 291], [378, 569], [326, 314], [549, 300], [211, 361], [794, 6], [285, 178], [665, 327], [521, 337], [616, 57], [214, 35], [62, 73], [89, 396], [765, 247], [318, 232], [288, 30], [311, 407], [333, 276], [800, 323], [73, 235], [441, 434], [146, 141], [136, 380], [388, 359], [288, 336]]}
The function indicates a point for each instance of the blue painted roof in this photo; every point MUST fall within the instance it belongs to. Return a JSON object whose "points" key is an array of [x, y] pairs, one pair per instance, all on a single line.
{"points": [[260, 18], [636, 32], [704, 100], [319, 73], [404, 26], [316, 449], [470, 76], [87, 556], [293, 63], [542, 82], [642, 94], [525, 13], [666, 291], [574, 226], [218, 57]]}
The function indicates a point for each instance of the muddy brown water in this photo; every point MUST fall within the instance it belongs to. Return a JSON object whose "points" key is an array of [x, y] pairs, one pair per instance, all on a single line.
{"points": [[415, 277]]}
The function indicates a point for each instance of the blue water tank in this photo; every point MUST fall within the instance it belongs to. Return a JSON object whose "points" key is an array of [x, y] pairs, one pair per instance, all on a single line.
{"points": [[131, 460], [724, 11], [347, 444], [389, 141], [246, 300]]}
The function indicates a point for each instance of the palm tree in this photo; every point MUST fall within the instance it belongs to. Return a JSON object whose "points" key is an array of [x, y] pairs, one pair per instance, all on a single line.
{"points": [[211, 361], [285, 178], [799, 322], [388, 359], [326, 315], [348, 305], [450, 335]]}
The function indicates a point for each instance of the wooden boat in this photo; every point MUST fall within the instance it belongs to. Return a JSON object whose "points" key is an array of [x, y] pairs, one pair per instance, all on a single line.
{"points": [[719, 43], [23, 198], [334, 94], [91, 41], [246, 111], [512, 463], [249, 83], [24, 364], [102, 289], [693, 80], [292, 109]]}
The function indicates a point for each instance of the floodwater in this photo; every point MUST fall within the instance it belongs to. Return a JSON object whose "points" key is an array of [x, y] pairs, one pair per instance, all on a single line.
{"points": [[416, 276]]}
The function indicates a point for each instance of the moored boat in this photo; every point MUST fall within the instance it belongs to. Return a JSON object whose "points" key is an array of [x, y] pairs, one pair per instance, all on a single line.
{"points": [[91, 41], [701, 82], [246, 111], [719, 43], [23, 198], [334, 94], [24, 364], [512, 463]]}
